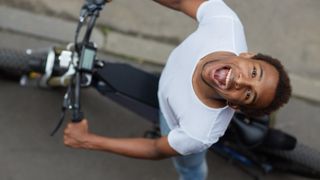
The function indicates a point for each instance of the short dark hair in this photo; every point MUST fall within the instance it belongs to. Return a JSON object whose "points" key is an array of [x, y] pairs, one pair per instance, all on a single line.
{"points": [[283, 90]]}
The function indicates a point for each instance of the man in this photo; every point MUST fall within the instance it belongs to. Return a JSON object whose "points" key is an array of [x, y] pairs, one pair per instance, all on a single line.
{"points": [[207, 77]]}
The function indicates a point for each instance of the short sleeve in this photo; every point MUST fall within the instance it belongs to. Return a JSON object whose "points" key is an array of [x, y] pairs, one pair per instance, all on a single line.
{"points": [[219, 24], [214, 8], [184, 144]]}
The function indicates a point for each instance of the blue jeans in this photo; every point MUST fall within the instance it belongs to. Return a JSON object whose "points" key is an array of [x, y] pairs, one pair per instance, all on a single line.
{"points": [[190, 167]]}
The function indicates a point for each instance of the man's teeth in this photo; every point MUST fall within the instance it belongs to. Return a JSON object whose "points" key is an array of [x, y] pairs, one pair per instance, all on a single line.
{"points": [[228, 77]]}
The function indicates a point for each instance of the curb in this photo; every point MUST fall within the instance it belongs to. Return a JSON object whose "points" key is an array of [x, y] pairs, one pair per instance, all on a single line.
{"points": [[39, 26], [145, 50], [63, 31]]}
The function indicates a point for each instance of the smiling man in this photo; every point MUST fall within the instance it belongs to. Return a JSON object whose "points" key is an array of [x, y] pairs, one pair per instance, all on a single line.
{"points": [[207, 78]]}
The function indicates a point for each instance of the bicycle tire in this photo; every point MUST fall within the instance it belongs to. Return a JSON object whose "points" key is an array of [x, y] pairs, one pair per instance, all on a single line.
{"points": [[302, 160], [15, 63]]}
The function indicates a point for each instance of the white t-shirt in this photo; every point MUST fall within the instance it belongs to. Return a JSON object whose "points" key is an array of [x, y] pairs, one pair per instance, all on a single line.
{"points": [[195, 126]]}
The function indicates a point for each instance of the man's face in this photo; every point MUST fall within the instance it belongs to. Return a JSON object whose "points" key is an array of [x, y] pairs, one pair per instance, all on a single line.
{"points": [[241, 80]]}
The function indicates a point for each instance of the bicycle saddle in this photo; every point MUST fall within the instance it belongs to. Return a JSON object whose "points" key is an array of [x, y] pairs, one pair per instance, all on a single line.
{"points": [[250, 133]]}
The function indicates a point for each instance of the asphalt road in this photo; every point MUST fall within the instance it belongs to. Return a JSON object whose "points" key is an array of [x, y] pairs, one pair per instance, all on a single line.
{"points": [[28, 114]]}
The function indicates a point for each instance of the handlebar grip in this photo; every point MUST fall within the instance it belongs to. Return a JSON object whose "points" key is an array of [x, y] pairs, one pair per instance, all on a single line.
{"points": [[97, 2], [17, 63], [38, 62], [77, 116]]}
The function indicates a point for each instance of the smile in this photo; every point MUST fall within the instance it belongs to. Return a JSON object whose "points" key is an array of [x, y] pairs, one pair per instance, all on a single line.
{"points": [[222, 77]]}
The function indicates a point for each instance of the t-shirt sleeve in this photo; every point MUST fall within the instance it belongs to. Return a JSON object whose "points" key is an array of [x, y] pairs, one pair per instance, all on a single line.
{"points": [[180, 141], [219, 24], [214, 9]]}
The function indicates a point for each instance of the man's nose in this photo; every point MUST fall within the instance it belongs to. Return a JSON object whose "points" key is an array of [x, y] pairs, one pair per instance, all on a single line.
{"points": [[242, 82]]}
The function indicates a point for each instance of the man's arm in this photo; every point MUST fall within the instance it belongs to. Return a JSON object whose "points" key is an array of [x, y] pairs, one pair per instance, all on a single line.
{"points": [[188, 7], [76, 135]]}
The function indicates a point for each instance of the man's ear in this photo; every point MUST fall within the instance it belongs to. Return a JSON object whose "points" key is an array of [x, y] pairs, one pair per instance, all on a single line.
{"points": [[248, 55], [233, 106]]}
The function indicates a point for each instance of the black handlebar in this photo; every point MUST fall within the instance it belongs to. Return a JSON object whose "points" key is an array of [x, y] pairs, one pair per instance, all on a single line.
{"points": [[91, 10]]}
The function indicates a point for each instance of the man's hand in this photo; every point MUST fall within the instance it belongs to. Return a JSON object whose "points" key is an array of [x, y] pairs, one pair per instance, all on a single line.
{"points": [[76, 134]]}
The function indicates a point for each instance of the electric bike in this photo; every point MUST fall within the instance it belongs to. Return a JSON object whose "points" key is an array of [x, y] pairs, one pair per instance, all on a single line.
{"points": [[250, 142]]}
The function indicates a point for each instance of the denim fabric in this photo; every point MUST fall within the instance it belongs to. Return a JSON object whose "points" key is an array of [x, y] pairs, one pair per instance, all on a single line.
{"points": [[190, 167]]}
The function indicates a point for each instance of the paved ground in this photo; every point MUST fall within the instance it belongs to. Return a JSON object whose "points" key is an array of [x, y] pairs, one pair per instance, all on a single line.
{"points": [[28, 152], [27, 115]]}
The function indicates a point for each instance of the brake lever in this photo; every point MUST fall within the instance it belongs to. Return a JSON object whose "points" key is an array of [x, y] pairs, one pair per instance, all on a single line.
{"points": [[65, 106]]}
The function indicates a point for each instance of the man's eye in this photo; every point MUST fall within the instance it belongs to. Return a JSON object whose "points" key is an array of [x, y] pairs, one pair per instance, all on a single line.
{"points": [[254, 72], [248, 94]]}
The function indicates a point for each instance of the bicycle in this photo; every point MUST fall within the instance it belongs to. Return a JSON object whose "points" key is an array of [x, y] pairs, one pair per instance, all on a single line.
{"points": [[249, 142]]}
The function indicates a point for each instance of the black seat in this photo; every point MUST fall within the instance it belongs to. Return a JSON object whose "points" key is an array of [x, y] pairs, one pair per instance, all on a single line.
{"points": [[251, 133]]}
